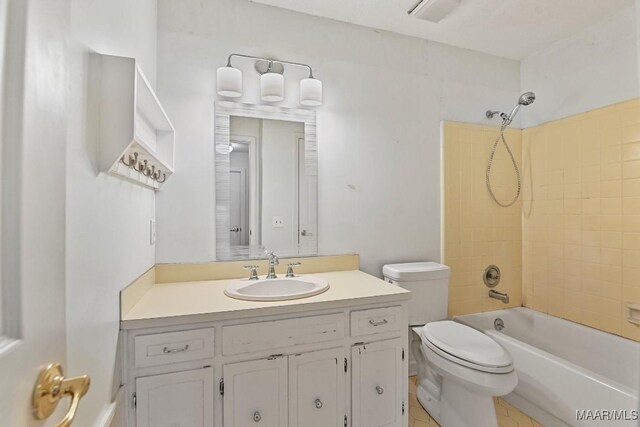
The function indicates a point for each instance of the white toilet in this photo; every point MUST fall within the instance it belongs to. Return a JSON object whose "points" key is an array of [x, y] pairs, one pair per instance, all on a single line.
{"points": [[460, 369]]}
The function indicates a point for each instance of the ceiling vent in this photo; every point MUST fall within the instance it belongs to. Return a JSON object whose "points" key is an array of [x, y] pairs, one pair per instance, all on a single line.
{"points": [[433, 10]]}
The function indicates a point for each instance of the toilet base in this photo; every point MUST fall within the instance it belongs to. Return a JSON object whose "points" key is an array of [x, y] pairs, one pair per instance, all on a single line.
{"points": [[458, 407], [429, 403]]}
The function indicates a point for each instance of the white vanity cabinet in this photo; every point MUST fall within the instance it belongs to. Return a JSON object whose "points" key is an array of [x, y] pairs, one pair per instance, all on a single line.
{"points": [[331, 367], [377, 381], [255, 393], [305, 390], [175, 400], [317, 382]]}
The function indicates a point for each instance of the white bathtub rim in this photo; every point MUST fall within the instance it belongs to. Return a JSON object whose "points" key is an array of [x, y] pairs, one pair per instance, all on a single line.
{"points": [[576, 369], [618, 386]]}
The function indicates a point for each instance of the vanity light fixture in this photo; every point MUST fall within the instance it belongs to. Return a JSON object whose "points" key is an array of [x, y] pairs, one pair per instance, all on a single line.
{"points": [[271, 85], [310, 91], [229, 81], [271, 72]]}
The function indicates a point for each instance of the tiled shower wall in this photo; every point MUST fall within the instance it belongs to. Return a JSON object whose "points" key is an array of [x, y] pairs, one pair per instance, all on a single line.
{"points": [[570, 247], [477, 232], [581, 217]]}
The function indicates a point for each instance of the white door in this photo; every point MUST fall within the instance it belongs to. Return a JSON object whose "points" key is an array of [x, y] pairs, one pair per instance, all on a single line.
{"points": [[378, 384], [316, 387], [236, 207], [255, 393], [33, 131], [307, 202], [180, 399]]}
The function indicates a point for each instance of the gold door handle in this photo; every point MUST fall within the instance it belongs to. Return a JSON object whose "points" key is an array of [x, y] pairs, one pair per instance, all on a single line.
{"points": [[53, 386]]}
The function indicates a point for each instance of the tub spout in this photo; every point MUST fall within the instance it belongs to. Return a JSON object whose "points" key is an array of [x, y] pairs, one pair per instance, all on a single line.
{"points": [[499, 296]]}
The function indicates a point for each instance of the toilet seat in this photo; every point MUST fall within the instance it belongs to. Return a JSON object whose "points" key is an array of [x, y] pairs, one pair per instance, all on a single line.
{"points": [[466, 346]]}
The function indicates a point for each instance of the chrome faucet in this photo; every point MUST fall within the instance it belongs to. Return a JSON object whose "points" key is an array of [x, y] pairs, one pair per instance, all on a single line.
{"points": [[273, 261], [499, 296]]}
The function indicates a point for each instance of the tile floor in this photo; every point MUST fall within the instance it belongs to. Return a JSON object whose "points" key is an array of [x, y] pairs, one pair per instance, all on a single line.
{"points": [[508, 416]]}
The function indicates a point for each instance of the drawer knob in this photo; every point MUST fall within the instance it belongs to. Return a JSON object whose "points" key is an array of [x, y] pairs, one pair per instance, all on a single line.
{"points": [[318, 403], [257, 417], [168, 350], [378, 323], [379, 389]]}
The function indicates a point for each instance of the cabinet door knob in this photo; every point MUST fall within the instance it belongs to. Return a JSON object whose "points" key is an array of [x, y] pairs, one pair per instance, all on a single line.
{"points": [[379, 389], [318, 403], [257, 417]]}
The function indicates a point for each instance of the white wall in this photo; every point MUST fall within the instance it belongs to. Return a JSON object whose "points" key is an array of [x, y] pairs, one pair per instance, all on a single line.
{"points": [[593, 68], [107, 219], [378, 129]]}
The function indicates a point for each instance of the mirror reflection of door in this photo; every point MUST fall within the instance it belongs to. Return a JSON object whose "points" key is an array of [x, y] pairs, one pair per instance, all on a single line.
{"points": [[307, 214], [272, 204], [239, 172]]}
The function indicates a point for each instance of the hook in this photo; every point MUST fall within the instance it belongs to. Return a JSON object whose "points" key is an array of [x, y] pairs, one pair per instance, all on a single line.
{"points": [[164, 178], [150, 172], [133, 159], [141, 167]]}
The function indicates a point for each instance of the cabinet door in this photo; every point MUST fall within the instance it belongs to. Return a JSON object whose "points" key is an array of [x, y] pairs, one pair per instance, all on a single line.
{"points": [[255, 393], [377, 382], [180, 399], [316, 387]]}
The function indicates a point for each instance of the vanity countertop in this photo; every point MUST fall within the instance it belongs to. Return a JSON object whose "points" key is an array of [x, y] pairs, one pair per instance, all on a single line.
{"points": [[167, 304]]}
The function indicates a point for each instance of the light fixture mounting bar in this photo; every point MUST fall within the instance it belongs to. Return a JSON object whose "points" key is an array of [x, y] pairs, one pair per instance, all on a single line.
{"points": [[297, 64]]}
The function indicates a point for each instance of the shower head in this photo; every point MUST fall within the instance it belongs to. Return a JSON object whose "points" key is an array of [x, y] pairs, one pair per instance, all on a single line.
{"points": [[527, 98]]}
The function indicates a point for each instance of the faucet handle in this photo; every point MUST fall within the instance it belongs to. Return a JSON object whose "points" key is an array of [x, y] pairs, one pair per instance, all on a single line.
{"points": [[290, 268], [254, 271]]}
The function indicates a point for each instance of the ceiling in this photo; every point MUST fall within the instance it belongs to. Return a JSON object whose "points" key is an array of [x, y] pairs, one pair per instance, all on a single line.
{"points": [[508, 28]]}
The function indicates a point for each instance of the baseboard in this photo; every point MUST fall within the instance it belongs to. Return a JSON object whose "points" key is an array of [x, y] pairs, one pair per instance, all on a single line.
{"points": [[112, 415], [108, 416]]}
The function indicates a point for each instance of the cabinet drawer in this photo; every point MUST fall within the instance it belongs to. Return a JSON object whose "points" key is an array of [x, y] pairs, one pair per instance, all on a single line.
{"points": [[172, 347], [376, 320], [282, 333]]}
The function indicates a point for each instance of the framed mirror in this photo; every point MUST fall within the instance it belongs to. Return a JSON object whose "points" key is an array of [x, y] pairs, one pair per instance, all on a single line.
{"points": [[266, 174]]}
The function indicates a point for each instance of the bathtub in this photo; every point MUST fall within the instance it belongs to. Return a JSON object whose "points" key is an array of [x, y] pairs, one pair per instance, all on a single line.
{"points": [[564, 367]]}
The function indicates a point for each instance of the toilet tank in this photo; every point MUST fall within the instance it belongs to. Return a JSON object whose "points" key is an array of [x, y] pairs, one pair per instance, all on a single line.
{"points": [[429, 284]]}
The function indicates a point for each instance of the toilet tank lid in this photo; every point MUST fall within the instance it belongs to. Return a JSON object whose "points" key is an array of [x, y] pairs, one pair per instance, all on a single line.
{"points": [[412, 271]]}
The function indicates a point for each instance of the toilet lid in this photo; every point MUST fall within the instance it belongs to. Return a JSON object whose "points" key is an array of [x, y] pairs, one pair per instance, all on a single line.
{"points": [[466, 343]]}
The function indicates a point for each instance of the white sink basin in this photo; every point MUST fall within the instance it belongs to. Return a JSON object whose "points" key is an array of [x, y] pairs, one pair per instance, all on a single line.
{"points": [[280, 289]]}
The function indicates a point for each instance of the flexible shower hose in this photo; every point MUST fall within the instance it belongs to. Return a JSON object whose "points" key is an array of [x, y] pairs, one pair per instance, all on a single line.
{"points": [[515, 166]]}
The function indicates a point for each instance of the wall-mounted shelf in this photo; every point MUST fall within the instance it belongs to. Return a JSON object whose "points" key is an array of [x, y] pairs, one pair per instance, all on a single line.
{"points": [[134, 128]]}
